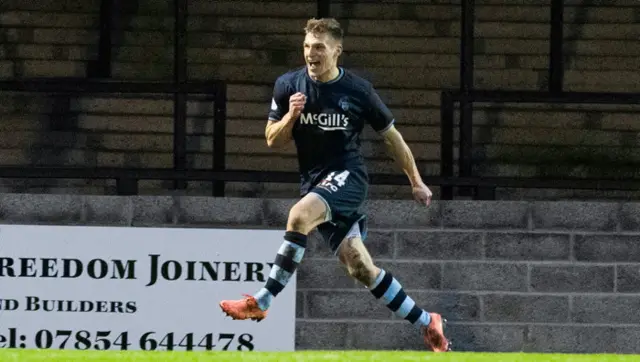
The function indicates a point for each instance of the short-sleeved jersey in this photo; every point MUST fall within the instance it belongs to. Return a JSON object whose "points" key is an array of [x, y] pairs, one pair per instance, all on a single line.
{"points": [[327, 133]]}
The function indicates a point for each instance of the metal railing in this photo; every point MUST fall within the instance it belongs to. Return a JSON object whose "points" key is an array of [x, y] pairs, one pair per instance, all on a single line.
{"points": [[98, 82], [127, 177], [485, 187]]}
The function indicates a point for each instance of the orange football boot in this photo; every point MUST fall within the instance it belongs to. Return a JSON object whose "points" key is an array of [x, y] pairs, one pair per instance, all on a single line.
{"points": [[434, 337], [242, 309]]}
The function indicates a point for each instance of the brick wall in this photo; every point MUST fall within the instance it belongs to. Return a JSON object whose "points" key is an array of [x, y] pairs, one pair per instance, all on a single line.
{"points": [[509, 276]]}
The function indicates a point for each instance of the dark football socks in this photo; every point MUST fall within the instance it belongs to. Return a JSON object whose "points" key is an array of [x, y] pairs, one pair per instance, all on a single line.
{"points": [[287, 260], [389, 291]]}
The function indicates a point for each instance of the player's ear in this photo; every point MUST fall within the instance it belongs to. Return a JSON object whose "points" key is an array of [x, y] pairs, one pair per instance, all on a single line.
{"points": [[339, 49]]}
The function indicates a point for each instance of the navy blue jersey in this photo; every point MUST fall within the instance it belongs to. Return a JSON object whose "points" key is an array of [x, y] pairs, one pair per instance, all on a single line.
{"points": [[327, 133]]}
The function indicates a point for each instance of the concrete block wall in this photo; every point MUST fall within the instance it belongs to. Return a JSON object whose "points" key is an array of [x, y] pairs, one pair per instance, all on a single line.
{"points": [[408, 49], [509, 275]]}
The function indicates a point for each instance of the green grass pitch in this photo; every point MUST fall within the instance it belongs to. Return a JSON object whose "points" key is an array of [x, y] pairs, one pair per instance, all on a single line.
{"points": [[303, 356]]}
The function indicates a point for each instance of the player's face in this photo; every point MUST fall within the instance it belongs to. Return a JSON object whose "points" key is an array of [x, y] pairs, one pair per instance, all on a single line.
{"points": [[321, 52]]}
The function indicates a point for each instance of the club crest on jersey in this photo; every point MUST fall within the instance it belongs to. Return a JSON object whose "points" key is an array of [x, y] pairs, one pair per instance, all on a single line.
{"points": [[345, 104], [325, 121]]}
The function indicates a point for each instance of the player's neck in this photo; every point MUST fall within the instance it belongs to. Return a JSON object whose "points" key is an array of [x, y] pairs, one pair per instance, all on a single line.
{"points": [[330, 75]]}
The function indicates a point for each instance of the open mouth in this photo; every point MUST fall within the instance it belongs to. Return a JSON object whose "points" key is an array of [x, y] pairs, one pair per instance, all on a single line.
{"points": [[314, 65]]}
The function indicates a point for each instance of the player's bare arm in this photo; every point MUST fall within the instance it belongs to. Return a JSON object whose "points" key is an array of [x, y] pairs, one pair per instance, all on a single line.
{"points": [[402, 155], [278, 133]]}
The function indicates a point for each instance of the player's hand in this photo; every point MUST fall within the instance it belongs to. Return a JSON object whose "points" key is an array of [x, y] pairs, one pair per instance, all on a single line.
{"points": [[296, 104], [422, 194]]}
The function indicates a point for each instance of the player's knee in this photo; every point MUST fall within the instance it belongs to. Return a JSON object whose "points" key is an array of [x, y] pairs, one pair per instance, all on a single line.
{"points": [[299, 220], [306, 215]]}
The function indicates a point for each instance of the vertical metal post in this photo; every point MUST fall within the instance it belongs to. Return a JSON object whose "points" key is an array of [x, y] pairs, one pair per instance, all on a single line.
{"points": [[324, 8], [219, 135], [556, 45], [179, 97], [101, 67], [466, 85], [127, 186], [446, 143]]}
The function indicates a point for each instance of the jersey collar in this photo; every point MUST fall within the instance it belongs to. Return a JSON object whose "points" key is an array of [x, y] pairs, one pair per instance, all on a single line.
{"points": [[340, 75]]}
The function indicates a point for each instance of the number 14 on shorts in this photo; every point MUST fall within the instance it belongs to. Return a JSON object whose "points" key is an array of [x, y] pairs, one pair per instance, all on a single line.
{"points": [[335, 180]]}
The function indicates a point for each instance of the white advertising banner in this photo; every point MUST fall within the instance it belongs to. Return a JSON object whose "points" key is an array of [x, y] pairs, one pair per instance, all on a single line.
{"points": [[109, 288]]}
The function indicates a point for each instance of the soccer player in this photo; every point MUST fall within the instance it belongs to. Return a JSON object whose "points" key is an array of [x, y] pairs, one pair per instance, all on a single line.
{"points": [[323, 108]]}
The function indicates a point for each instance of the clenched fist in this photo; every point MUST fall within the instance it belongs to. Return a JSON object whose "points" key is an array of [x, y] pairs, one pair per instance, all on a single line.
{"points": [[296, 104], [422, 194]]}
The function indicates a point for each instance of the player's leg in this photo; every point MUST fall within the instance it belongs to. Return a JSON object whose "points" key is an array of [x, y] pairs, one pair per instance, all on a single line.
{"points": [[304, 216], [385, 287]]}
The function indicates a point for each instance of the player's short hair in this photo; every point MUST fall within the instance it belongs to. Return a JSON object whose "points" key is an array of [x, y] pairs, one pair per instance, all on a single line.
{"points": [[325, 26]]}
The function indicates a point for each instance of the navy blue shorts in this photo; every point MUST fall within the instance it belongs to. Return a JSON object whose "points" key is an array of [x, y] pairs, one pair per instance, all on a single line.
{"points": [[344, 192]]}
